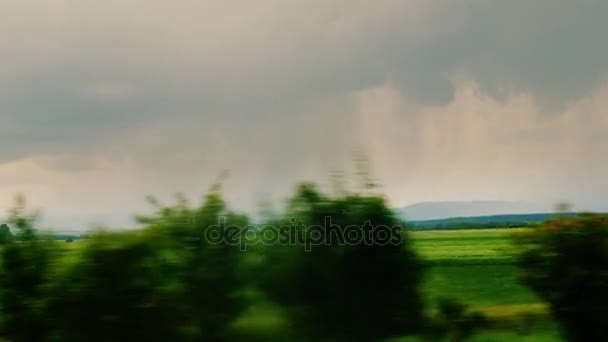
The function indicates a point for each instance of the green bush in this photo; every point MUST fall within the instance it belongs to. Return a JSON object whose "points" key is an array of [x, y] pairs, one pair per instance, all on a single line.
{"points": [[184, 275], [565, 262], [344, 291], [27, 264], [164, 282], [454, 322], [5, 234]]}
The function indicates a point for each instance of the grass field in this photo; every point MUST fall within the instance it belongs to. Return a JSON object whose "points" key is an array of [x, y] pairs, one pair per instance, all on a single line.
{"points": [[477, 268], [465, 245], [474, 266]]}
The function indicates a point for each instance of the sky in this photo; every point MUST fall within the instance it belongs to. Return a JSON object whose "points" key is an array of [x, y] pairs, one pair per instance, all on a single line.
{"points": [[105, 102]]}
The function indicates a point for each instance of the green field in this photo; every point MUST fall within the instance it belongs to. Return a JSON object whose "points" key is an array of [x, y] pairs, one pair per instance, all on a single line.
{"points": [[474, 266], [465, 245], [477, 267]]}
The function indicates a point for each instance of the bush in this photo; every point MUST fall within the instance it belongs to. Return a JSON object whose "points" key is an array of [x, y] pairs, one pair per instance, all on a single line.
{"points": [[26, 273], [165, 282], [120, 289], [340, 290], [182, 277], [208, 271], [565, 262], [5, 234], [454, 322]]}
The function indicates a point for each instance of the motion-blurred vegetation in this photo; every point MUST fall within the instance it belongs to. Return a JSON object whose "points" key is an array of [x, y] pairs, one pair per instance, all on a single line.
{"points": [[185, 276], [566, 263]]}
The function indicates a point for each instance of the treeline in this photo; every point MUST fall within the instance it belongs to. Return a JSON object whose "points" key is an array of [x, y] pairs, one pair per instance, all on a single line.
{"points": [[472, 225], [183, 276], [188, 276], [489, 222]]}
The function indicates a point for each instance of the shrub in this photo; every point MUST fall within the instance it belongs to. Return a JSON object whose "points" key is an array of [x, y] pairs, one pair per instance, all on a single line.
{"points": [[119, 289], [345, 291], [454, 322], [565, 262], [26, 272], [5, 234]]}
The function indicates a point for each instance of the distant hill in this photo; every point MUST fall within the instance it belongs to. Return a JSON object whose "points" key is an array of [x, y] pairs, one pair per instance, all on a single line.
{"points": [[490, 221], [443, 210]]}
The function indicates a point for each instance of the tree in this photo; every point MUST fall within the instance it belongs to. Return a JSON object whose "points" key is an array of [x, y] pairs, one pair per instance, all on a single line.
{"points": [[344, 288], [212, 277], [565, 262], [209, 269], [5, 234], [26, 272], [121, 288], [165, 282]]}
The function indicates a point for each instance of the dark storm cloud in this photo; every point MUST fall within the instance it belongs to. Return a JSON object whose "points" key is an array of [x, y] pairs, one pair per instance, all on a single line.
{"points": [[155, 96]]}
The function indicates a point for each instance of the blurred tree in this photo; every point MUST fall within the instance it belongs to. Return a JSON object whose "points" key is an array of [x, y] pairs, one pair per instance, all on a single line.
{"points": [[26, 273], [5, 234], [213, 278], [210, 261], [171, 280], [122, 288], [344, 288], [565, 262]]}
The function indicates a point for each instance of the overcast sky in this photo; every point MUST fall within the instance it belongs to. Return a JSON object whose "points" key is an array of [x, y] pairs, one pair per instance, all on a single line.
{"points": [[104, 102]]}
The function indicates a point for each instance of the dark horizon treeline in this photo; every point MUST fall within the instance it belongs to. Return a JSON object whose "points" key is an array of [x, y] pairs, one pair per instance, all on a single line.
{"points": [[170, 282]]}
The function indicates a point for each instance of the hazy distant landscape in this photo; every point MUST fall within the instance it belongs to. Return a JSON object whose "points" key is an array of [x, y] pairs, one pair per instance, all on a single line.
{"points": [[444, 210]]}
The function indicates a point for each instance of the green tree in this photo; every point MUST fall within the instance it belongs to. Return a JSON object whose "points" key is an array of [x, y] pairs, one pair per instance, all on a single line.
{"points": [[121, 288], [26, 272], [5, 234], [565, 262], [209, 271], [167, 281], [343, 288]]}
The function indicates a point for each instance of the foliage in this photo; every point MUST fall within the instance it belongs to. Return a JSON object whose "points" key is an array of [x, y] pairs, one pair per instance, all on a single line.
{"points": [[487, 222], [209, 269], [167, 281], [26, 273], [566, 262], [122, 288], [455, 322], [185, 277], [344, 291], [5, 234]]}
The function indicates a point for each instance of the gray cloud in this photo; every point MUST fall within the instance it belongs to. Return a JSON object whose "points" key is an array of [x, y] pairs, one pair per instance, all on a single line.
{"points": [[104, 102]]}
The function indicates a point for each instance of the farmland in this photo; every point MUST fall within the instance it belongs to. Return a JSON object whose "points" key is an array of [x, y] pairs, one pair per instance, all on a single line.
{"points": [[474, 266], [477, 267]]}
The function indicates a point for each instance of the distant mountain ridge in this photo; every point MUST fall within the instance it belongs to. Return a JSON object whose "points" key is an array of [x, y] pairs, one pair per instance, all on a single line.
{"points": [[452, 209]]}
